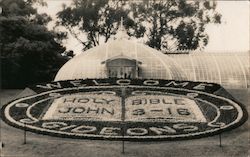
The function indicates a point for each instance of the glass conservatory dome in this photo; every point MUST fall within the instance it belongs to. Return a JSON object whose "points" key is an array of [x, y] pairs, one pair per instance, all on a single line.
{"points": [[121, 59]]}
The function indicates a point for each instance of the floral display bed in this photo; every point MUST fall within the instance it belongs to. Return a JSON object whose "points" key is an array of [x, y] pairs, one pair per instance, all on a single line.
{"points": [[126, 109]]}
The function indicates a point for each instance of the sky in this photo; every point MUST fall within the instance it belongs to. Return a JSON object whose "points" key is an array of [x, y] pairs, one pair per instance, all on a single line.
{"points": [[233, 34]]}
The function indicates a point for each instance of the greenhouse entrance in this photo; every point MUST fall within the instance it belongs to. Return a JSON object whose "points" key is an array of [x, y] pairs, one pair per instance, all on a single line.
{"points": [[121, 72], [122, 68]]}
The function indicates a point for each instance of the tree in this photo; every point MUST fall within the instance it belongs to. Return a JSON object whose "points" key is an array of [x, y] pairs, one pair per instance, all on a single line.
{"points": [[165, 25], [29, 53], [97, 20], [176, 24]]}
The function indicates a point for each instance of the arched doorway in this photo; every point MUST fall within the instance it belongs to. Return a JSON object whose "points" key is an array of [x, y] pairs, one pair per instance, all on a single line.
{"points": [[122, 68]]}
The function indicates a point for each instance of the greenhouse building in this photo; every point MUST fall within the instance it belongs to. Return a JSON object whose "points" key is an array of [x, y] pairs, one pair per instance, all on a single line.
{"points": [[128, 59]]}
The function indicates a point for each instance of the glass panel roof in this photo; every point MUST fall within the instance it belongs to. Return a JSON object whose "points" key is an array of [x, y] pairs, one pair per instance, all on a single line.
{"points": [[229, 69]]}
